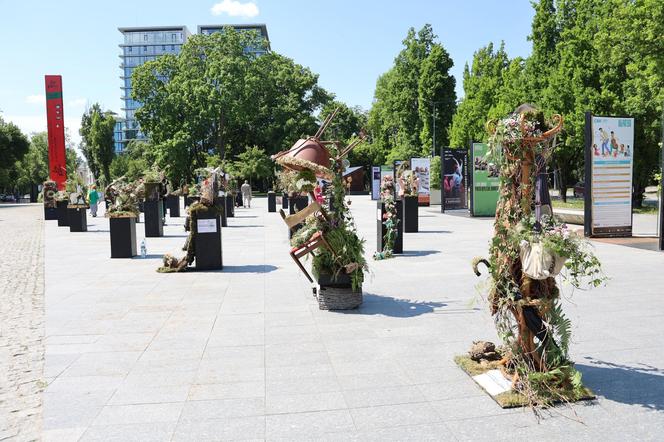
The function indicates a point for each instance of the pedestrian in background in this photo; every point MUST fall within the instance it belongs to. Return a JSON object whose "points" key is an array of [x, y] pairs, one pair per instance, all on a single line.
{"points": [[246, 194], [93, 199]]}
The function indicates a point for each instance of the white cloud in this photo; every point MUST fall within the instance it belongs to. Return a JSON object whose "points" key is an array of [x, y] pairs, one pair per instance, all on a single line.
{"points": [[77, 102], [36, 99], [235, 8]]}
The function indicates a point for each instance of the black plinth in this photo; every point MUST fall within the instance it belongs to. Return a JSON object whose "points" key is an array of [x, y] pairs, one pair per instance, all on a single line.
{"points": [[207, 242], [141, 206], [297, 203], [410, 214], [271, 202], [123, 237], [284, 201], [154, 212], [63, 216], [189, 200], [165, 208], [50, 213], [230, 206], [173, 202], [78, 221], [381, 230], [221, 203]]}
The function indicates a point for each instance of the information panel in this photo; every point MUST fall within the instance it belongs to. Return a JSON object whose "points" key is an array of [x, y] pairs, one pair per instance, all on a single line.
{"points": [[57, 160], [454, 183], [484, 192], [422, 168], [612, 162]]}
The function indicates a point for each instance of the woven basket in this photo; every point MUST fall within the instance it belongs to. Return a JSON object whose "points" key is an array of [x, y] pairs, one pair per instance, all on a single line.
{"points": [[338, 298]]}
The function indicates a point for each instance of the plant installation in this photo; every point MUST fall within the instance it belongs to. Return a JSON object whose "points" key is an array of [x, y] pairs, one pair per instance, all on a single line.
{"points": [[123, 197], [390, 219], [529, 249]]}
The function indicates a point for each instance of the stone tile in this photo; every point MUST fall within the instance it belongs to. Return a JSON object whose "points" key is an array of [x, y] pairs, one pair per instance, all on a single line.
{"points": [[241, 428], [222, 409], [63, 435], [143, 432], [394, 416], [139, 413], [102, 364], [307, 425], [311, 384], [229, 390], [133, 394], [371, 397], [298, 403]]}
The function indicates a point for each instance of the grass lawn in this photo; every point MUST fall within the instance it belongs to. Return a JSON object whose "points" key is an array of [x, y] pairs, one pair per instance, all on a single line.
{"points": [[577, 203]]}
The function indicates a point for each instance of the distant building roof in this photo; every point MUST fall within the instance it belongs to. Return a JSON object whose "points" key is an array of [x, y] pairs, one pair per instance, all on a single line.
{"points": [[350, 170]]}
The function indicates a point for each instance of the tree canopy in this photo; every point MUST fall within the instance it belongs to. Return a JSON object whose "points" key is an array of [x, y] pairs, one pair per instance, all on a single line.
{"points": [[97, 143]]}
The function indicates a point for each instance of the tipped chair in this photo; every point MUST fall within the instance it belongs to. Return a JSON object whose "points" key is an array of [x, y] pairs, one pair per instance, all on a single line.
{"points": [[314, 242]]}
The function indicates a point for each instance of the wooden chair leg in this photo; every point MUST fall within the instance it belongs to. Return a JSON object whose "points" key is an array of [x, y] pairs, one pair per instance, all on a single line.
{"points": [[299, 264]]}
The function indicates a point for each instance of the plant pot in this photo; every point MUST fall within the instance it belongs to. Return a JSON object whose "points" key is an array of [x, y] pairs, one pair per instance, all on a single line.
{"points": [[63, 215], [78, 220], [538, 262], [230, 206], [50, 213], [173, 203], [154, 212], [123, 237], [271, 202], [382, 230], [410, 214], [284, 201], [337, 294], [207, 241]]}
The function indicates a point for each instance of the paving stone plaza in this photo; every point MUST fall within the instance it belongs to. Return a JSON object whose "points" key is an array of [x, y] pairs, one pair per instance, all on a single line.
{"points": [[125, 353]]}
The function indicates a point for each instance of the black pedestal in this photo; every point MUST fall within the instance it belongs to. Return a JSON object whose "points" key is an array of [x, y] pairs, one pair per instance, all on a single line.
{"points": [[123, 237], [207, 242], [380, 228], [78, 221], [63, 216], [165, 208], [271, 202], [230, 206], [221, 203], [50, 213], [154, 212], [173, 202], [297, 203], [189, 200], [410, 214], [141, 206], [284, 201]]}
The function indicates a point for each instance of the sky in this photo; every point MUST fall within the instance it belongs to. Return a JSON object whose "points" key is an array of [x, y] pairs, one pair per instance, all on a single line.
{"points": [[348, 43]]}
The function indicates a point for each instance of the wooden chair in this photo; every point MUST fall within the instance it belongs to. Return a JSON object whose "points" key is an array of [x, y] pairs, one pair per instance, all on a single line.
{"points": [[314, 242]]}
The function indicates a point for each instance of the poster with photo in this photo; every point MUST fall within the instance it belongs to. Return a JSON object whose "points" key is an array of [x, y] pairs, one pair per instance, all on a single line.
{"points": [[375, 182], [422, 168], [611, 175], [454, 181], [486, 180]]}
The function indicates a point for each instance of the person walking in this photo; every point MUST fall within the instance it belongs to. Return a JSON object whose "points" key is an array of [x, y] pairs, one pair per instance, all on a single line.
{"points": [[93, 199], [246, 194]]}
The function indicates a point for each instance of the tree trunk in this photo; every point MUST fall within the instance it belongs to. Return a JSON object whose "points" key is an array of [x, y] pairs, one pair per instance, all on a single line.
{"points": [[563, 191]]}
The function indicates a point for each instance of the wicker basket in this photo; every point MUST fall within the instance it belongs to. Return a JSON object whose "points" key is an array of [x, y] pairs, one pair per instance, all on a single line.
{"points": [[338, 298]]}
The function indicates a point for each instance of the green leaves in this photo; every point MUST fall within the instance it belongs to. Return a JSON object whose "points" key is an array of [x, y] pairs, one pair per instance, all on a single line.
{"points": [[97, 142]]}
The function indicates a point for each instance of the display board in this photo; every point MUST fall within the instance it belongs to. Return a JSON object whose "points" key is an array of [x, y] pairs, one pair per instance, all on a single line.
{"points": [[422, 168], [397, 187], [375, 182], [454, 181], [485, 181], [609, 176], [55, 123]]}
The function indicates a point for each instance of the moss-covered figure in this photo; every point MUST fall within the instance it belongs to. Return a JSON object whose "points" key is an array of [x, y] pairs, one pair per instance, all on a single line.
{"points": [[528, 250]]}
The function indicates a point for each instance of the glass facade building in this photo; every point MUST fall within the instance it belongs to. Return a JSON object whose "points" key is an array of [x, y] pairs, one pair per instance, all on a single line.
{"points": [[142, 44]]}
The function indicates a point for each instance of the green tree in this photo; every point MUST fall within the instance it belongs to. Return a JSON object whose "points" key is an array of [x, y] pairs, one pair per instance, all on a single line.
{"points": [[481, 82], [97, 142], [436, 92], [33, 167], [253, 163], [403, 101], [13, 147]]}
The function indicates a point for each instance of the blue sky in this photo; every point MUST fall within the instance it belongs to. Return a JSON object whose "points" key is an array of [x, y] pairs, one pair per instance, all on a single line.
{"points": [[348, 43]]}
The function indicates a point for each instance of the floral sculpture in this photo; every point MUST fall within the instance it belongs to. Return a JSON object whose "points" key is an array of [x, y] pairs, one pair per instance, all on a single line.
{"points": [[528, 250], [390, 219]]}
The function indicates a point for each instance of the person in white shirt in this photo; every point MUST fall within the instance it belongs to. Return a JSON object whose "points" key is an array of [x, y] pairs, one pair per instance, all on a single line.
{"points": [[245, 189]]}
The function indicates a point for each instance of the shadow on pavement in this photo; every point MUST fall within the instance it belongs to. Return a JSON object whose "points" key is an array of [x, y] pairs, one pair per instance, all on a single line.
{"points": [[418, 253], [250, 268], [641, 385], [398, 308]]}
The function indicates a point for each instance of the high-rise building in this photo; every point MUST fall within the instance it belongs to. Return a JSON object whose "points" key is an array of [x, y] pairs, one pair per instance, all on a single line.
{"points": [[142, 44]]}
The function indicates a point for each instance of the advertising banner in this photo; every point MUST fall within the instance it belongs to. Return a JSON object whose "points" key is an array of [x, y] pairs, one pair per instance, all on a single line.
{"points": [[484, 191], [57, 160], [375, 182], [454, 181], [608, 187], [422, 168]]}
